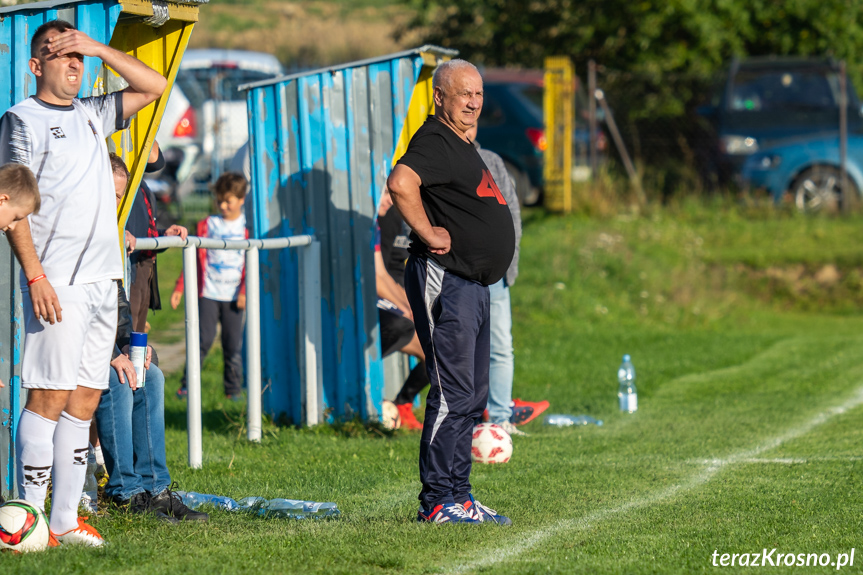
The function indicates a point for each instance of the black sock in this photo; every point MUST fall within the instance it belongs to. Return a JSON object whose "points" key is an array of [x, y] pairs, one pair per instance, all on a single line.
{"points": [[416, 381]]}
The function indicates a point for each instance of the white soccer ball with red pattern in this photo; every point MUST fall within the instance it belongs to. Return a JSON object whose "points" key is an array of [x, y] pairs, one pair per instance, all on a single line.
{"points": [[23, 527], [491, 444]]}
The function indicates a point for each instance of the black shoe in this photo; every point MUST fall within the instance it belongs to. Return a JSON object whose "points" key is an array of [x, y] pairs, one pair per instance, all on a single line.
{"points": [[169, 503], [140, 504]]}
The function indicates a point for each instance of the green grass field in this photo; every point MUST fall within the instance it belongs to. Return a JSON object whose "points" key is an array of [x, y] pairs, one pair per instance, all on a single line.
{"points": [[748, 434]]}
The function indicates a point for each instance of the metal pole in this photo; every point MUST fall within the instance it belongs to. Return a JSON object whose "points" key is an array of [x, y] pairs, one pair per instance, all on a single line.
{"points": [[618, 141], [193, 358], [591, 110], [843, 137], [253, 344], [310, 308]]}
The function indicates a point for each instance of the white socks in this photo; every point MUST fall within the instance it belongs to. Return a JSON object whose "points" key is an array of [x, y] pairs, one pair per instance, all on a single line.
{"points": [[34, 449], [71, 447]]}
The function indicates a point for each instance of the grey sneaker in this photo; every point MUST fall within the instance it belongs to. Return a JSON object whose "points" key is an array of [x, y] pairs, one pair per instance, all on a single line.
{"points": [[510, 428]]}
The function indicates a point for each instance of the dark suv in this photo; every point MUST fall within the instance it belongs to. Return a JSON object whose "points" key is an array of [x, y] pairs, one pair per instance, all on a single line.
{"points": [[765, 101], [511, 125]]}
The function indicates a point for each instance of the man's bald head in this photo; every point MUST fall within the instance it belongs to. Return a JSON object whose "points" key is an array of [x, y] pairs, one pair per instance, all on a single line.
{"points": [[443, 74], [457, 91]]}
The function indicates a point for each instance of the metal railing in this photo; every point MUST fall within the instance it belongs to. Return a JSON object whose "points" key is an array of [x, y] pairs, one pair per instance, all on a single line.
{"points": [[310, 319]]}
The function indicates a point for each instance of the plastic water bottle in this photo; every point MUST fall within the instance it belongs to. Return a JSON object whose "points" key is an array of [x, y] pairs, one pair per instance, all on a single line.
{"points": [[138, 355], [562, 420], [626, 392], [288, 508], [279, 508], [90, 496], [285, 508], [251, 504], [196, 500]]}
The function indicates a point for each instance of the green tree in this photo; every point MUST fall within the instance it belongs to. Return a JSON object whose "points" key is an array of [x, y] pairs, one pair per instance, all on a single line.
{"points": [[671, 49]]}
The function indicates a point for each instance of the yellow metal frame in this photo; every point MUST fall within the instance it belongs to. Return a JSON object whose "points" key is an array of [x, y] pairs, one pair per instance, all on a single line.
{"points": [[176, 11], [559, 112], [162, 49], [421, 104]]}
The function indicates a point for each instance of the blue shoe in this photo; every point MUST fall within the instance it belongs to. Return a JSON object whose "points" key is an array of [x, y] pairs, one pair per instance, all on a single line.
{"points": [[445, 513], [483, 514]]}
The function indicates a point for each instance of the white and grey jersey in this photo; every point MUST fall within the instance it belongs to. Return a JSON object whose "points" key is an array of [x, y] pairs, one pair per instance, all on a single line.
{"points": [[75, 231]]}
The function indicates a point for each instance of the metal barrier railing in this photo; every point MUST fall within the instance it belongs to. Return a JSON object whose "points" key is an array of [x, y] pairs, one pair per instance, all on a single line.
{"points": [[310, 318]]}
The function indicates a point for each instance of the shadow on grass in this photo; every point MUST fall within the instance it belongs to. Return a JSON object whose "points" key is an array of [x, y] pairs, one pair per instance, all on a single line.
{"points": [[215, 419], [230, 419]]}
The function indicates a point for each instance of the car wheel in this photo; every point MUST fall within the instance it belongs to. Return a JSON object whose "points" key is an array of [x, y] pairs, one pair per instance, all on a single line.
{"points": [[819, 189], [527, 194]]}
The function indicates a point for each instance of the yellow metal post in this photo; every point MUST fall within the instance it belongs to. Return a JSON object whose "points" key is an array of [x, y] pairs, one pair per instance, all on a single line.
{"points": [[421, 104], [162, 49], [559, 111]]}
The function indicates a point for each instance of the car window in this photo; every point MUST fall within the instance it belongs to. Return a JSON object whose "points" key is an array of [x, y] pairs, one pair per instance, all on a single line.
{"points": [[532, 96], [772, 90], [492, 112], [202, 84]]}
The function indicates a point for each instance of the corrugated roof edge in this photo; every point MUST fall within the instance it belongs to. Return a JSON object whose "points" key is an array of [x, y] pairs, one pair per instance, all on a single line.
{"points": [[36, 6], [438, 50]]}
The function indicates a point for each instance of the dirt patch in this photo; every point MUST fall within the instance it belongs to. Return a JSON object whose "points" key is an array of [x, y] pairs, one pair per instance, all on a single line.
{"points": [[821, 287]]}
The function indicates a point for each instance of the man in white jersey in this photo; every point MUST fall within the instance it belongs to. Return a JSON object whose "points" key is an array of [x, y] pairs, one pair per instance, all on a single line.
{"points": [[70, 259]]}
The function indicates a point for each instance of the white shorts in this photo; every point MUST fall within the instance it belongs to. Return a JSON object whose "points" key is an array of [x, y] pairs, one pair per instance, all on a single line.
{"points": [[75, 351]]}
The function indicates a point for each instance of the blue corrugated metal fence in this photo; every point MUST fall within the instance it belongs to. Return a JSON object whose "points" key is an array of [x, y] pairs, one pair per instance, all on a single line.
{"points": [[322, 145]]}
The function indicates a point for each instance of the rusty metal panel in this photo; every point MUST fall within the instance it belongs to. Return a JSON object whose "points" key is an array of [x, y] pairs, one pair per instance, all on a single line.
{"points": [[322, 144]]}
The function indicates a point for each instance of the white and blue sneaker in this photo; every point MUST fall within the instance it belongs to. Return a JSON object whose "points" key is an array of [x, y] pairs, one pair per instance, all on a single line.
{"points": [[480, 513], [445, 513]]}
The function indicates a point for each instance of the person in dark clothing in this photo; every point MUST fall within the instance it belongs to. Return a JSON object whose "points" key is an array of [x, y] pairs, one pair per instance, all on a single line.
{"points": [[144, 281], [463, 240], [131, 418], [396, 319]]}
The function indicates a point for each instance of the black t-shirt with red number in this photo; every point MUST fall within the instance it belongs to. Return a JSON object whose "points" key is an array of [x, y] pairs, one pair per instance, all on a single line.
{"points": [[459, 194]]}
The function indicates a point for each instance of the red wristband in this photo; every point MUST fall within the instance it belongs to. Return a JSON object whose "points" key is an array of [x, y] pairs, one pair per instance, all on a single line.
{"points": [[34, 280]]}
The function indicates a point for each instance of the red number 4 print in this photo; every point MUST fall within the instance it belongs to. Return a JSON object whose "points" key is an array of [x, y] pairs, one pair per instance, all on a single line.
{"points": [[487, 188]]}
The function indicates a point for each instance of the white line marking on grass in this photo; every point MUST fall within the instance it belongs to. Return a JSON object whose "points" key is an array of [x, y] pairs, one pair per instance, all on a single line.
{"points": [[787, 460], [713, 466]]}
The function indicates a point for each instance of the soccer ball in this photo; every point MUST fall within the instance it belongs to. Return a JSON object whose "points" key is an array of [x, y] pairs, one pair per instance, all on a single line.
{"points": [[390, 416], [491, 444], [23, 527]]}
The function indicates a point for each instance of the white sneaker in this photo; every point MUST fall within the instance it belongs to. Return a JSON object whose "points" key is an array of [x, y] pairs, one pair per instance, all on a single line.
{"points": [[510, 428], [82, 535]]}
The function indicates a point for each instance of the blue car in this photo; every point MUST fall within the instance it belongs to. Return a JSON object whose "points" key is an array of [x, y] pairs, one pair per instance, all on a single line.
{"points": [[808, 170], [512, 126], [768, 101]]}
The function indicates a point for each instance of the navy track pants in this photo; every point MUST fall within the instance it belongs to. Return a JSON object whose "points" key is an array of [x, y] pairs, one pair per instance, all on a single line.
{"points": [[452, 321]]}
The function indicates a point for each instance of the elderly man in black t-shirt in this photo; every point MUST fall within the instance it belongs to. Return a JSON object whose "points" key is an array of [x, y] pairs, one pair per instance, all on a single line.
{"points": [[463, 240]]}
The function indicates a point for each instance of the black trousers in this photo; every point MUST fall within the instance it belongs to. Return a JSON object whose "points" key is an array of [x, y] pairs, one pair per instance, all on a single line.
{"points": [[396, 332], [451, 315], [210, 314]]}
